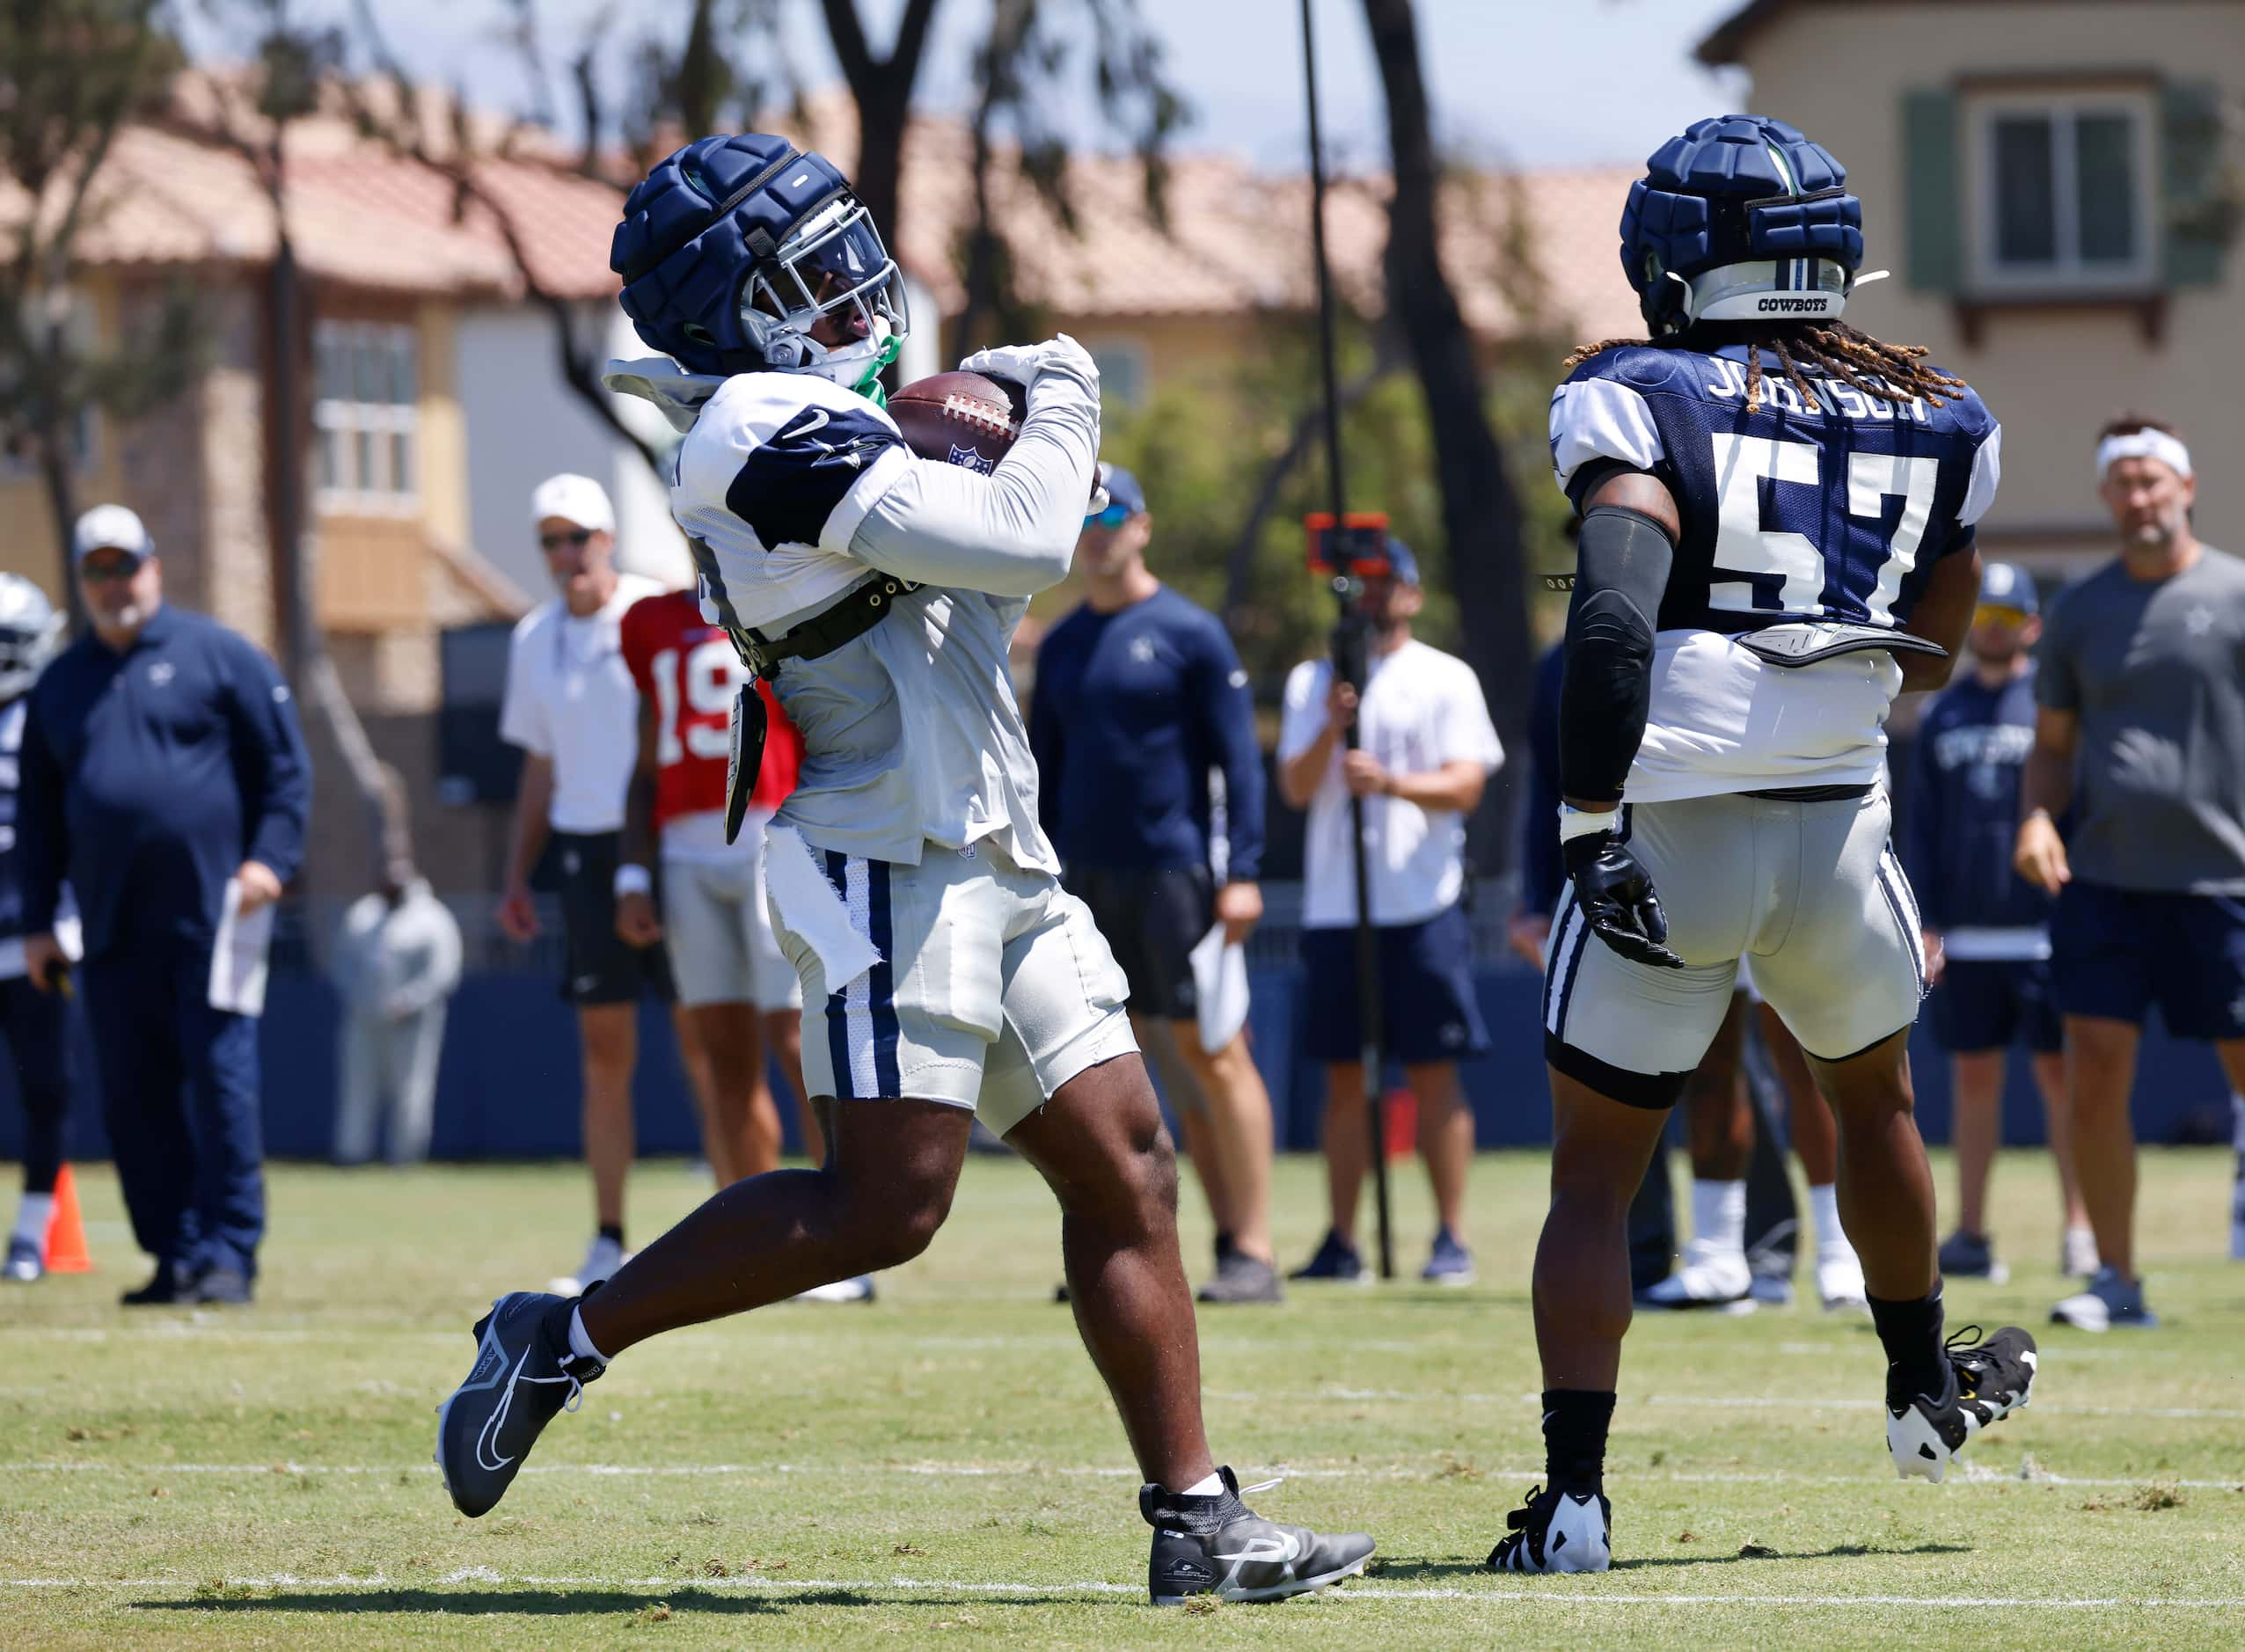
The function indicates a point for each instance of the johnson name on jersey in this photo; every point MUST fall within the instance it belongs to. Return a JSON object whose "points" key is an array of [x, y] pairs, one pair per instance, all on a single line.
{"points": [[1835, 507]]}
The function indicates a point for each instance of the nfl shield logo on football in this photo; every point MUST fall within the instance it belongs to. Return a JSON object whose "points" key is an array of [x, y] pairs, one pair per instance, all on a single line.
{"points": [[972, 460]]}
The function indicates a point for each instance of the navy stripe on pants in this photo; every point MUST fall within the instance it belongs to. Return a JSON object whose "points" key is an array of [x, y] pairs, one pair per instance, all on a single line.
{"points": [[179, 1095]]}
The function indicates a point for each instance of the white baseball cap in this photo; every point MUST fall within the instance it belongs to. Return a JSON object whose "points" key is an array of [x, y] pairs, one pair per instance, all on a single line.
{"points": [[110, 528], [573, 498]]}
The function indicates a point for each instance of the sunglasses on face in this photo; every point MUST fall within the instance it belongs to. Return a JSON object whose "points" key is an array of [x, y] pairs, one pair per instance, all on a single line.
{"points": [[1113, 517], [1996, 613], [577, 536], [107, 572]]}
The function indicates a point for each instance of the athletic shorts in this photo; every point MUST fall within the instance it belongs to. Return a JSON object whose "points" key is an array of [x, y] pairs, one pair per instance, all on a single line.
{"points": [[1426, 992], [719, 930], [993, 990], [602, 968], [1992, 1003], [1152, 919], [2114, 953], [1811, 890]]}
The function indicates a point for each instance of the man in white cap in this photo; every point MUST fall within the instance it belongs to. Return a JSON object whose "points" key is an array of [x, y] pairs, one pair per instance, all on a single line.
{"points": [[164, 775], [572, 707], [2140, 730]]}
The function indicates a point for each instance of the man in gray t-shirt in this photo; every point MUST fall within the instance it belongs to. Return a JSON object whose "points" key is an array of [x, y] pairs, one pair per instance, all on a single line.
{"points": [[2141, 729]]}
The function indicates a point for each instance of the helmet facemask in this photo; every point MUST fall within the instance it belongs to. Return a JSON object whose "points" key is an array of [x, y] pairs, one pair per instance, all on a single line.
{"points": [[27, 642], [832, 277]]}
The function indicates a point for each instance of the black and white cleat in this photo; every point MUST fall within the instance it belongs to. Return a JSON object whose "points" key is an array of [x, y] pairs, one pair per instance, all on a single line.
{"points": [[1988, 1380], [523, 1375], [1557, 1531]]}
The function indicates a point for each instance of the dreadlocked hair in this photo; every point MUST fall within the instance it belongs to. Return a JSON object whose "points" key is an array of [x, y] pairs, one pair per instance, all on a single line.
{"points": [[1891, 372]]}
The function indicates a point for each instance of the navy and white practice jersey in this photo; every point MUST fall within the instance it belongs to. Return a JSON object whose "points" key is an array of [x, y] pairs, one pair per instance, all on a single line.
{"points": [[911, 732], [1833, 508], [1971, 753]]}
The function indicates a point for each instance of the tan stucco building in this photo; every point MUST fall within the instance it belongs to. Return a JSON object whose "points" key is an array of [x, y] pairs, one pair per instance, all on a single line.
{"points": [[2056, 185]]}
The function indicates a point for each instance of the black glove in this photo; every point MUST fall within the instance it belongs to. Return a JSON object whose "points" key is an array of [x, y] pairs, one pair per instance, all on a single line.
{"points": [[1617, 898]]}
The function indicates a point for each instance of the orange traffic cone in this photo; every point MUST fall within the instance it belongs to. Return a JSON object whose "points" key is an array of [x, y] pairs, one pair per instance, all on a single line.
{"points": [[66, 1251]]}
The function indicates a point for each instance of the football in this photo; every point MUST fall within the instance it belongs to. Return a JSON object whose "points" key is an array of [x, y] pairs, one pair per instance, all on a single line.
{"points": [[963, 418]]}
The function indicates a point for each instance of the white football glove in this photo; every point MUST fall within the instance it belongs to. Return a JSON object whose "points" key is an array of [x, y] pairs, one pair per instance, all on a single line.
{"points": [[1024, 363]]}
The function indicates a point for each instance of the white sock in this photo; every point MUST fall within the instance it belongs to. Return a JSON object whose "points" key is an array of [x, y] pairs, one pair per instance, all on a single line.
{"points": [[32, 1216], [1209, 1487], [1719, 1215], [2237, 1121], [580, 1344], [1824, 1204]]}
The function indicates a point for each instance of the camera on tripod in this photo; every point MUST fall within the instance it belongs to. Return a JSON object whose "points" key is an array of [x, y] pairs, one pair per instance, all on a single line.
{"points": [[1347, 552]]}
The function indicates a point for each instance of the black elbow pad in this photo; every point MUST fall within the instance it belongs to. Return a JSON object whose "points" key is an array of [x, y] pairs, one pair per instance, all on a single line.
{"points": [[1621, 572]]}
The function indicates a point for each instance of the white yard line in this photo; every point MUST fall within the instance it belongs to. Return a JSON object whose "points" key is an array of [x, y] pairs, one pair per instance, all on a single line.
{"points": [[1337, 1395], [1358, 1590], [1973, 1475]]}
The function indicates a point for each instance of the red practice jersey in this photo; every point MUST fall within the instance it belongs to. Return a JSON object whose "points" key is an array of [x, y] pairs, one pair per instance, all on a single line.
{"points": [[687, 667]]}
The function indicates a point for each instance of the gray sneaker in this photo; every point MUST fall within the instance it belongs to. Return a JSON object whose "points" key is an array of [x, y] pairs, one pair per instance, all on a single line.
{"points": [[1240, 1278], [2111, 1303]]}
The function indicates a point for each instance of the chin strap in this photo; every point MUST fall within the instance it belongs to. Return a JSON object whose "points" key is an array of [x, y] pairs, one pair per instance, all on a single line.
{"points": [[870, 387]]}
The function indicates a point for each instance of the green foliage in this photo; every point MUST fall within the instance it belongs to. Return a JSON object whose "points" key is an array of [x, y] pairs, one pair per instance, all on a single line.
{"points": [[1204, 457]]}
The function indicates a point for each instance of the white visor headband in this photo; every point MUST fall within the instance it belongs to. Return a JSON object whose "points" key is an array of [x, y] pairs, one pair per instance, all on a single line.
{"points": [[2143, 444]]}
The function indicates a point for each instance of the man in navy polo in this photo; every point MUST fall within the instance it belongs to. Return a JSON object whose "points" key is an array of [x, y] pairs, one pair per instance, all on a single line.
{"points": [[1140, 699], [1988, 929], [161, 764]]}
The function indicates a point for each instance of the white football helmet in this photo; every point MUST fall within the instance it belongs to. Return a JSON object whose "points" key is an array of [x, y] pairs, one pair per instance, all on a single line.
{"points": [[30, 633]]}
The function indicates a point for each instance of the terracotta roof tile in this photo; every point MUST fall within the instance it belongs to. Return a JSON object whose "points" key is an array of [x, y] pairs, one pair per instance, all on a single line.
{"points": [[1236, 239]]}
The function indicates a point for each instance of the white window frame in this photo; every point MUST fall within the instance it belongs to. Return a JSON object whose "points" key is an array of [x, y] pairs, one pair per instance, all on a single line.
{"points": [[2067, 272], [346, 419]]}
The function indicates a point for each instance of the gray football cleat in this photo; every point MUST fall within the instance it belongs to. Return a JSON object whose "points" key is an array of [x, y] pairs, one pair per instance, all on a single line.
{"points": [[1218, 1546]]}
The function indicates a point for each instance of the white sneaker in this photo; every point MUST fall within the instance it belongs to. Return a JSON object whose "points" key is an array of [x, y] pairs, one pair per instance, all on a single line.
{"points": [[1839, 1280], [2077, 1253], [603, 1259], [858, 1289], [1709, 1278]]}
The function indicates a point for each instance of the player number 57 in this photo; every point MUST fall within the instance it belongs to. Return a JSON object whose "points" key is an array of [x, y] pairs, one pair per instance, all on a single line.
{"points": [[1742, 545]]}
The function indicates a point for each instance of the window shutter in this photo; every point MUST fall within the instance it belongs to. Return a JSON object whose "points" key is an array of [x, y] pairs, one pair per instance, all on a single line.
{"points": [[1930, 166], [2198, 209]]}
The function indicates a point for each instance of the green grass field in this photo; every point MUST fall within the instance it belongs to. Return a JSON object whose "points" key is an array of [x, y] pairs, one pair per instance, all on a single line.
{"points": [[943, 1463]]}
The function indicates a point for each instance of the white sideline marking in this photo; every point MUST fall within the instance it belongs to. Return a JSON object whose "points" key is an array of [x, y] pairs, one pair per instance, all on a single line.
{"points": [[1976, 1474], [1354, 1590], [1710, 1402]]}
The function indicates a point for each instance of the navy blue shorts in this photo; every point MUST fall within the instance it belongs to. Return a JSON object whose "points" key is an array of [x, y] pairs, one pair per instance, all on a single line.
{"points": [[1992, 1003], [1426, 978], [2116, 952]]}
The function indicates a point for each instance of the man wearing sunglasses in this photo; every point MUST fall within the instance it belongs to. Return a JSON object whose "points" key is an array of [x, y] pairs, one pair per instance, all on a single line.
{"points": [[1139, 698], [572, 707], [164, 775], [1988, 929]]}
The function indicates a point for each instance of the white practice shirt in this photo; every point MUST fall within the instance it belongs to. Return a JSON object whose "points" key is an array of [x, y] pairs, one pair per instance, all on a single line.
{"points": [[1421, 709], [571, 698]]}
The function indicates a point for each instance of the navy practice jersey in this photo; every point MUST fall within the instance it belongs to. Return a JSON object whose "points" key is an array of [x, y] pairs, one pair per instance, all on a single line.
{"points": [[1132, 711], [1971, 750], [1833, 507]]}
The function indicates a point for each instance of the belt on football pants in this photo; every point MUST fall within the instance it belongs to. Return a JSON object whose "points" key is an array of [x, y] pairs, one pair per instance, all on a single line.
{"points": [[846, 621], [855, 614]]}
